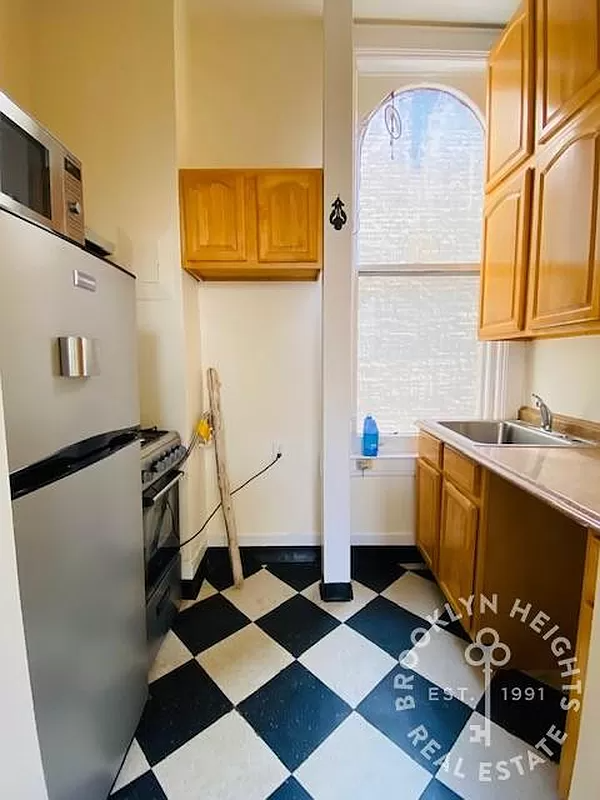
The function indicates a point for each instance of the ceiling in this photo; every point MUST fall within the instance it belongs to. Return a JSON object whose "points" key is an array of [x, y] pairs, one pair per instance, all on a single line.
{"points": [[462, 12]]}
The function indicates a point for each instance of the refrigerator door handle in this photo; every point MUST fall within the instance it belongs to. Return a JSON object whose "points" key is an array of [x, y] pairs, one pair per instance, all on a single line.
{"points": [[78, 357]]}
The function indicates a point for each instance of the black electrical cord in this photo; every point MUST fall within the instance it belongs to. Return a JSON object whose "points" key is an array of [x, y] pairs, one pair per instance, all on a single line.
{"points": [[237, 489]]}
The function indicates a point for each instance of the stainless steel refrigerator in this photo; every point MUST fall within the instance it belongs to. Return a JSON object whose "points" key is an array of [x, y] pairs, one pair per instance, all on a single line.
{"points": [[68, 366]]}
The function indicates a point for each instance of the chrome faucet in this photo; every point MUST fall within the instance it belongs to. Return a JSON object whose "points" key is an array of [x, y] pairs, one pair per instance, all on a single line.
{"points": [[545, 413]]}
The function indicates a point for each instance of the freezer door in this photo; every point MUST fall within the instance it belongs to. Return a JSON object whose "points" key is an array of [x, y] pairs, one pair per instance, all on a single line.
{"points": [[53, 293], [81, 574]]}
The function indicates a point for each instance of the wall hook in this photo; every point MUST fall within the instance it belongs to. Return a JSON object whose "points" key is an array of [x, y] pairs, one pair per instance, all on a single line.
{"points": [[338, 217]]}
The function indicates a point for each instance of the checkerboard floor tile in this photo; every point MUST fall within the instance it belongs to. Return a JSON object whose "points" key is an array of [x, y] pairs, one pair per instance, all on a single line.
{"points": [[268, 693]]}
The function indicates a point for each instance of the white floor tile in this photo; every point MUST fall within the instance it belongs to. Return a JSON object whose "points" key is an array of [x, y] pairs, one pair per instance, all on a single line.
{"points": [[135, 764], [260, 593], [341, 611], [172, 654], [442, 661], [244, 661], [357, 762], [347, 663], [206, 591], [481, 767], [416, 594], [227, 761]]}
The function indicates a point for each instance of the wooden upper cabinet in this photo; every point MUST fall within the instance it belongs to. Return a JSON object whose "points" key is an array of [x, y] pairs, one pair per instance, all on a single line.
{"points": [[289, 213], [458, 542], [213, 215], [510, 97], [252, 224], [568, 60], [506, 227], [564, 281]]}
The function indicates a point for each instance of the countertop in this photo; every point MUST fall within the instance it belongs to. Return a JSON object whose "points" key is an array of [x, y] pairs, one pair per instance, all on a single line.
{"points": [[566, 477]]}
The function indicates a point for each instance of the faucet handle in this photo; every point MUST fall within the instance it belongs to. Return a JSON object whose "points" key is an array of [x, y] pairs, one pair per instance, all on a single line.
{"points": [[545, 413]]}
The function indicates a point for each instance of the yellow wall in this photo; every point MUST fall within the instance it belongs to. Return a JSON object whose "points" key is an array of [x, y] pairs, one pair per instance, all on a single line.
{"points": [[103, 81], [16, 50]]}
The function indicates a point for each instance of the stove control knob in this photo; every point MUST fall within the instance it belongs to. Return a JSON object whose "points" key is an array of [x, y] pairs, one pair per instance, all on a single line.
{"points": [[146, 475]]}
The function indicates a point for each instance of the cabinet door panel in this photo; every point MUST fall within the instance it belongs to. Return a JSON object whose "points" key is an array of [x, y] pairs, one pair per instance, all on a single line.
{"points": [[458, 541], [507, 220], [565, 258], [289, 216], [429, 488], [213, 215], [568, 60], [510, 96]]}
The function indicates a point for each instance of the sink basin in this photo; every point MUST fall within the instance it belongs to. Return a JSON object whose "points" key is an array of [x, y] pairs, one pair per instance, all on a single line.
{"points": [[511, 432]]}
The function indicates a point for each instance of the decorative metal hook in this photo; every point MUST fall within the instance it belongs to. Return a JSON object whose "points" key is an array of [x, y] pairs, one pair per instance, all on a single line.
{"points": [[338, 217]]}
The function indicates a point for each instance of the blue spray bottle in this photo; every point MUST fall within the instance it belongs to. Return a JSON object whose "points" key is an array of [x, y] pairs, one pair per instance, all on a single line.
{"points": [[370, 437]]}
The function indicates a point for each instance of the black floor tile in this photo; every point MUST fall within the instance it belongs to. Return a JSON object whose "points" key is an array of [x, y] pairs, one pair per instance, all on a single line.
{"points": [[375, 568], [218, 567], [290, 790], [525, 707], [208, 622], [298, 576], [403, 702], [181, 704], [387, 625], [437, 791], [297, 624], [145, 787], [294, 712]]}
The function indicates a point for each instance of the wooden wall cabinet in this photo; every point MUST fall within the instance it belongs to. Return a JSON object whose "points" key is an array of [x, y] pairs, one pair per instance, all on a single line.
{"points": [[568, 60], [506, 229], [541, 259], [564, 279], [252, 224], [510, 96]]}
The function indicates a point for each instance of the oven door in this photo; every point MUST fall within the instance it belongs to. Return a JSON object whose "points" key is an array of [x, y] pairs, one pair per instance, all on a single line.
{"points": [[161, 527], [30, 168]]}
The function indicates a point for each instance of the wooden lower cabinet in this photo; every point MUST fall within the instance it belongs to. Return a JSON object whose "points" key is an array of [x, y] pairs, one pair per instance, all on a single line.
{"points": [[429, 490], [458, 543], [584, 634]]}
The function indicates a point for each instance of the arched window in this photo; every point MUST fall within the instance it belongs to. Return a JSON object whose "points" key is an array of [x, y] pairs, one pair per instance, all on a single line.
{"points": [[419, 243]]}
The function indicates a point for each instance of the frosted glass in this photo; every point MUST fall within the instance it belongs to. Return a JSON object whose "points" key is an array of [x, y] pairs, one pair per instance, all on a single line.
{"points": [[418, 354], [424, 205]]}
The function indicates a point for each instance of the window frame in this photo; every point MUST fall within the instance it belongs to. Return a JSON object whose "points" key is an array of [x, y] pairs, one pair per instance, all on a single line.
{"points": [[494, 355]]}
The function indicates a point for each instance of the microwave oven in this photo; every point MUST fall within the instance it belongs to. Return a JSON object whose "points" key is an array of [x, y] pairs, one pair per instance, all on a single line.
{"points": [[39, 179]]}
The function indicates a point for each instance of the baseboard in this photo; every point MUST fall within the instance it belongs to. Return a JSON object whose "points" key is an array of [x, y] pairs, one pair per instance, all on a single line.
{"points": [[190, 587], [336, 592], [313, 539]]}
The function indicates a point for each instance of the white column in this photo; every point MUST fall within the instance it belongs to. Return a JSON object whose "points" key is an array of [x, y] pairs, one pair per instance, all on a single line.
{"points": [[338, 156]]}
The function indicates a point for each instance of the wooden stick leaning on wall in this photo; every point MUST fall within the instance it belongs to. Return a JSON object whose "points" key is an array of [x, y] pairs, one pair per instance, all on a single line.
{"points": [[214, 394]]}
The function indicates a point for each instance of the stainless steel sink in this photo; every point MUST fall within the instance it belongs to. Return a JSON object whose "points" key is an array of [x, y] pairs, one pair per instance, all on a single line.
{"points": [[512, 432]]}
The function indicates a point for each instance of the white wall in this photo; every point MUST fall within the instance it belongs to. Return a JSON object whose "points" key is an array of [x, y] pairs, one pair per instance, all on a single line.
{"points": [[566, 373], [21, 771]]}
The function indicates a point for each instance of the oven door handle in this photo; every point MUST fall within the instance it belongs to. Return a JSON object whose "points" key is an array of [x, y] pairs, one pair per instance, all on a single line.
{"points": [[150, 501]]}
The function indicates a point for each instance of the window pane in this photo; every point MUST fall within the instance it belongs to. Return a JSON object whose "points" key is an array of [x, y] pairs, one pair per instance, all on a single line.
{"points": [[424, 205], [418, 354]]}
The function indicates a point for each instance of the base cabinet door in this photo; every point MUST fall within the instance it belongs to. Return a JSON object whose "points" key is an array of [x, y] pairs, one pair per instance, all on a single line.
{"points": [[429, 490], [458, 541]]}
